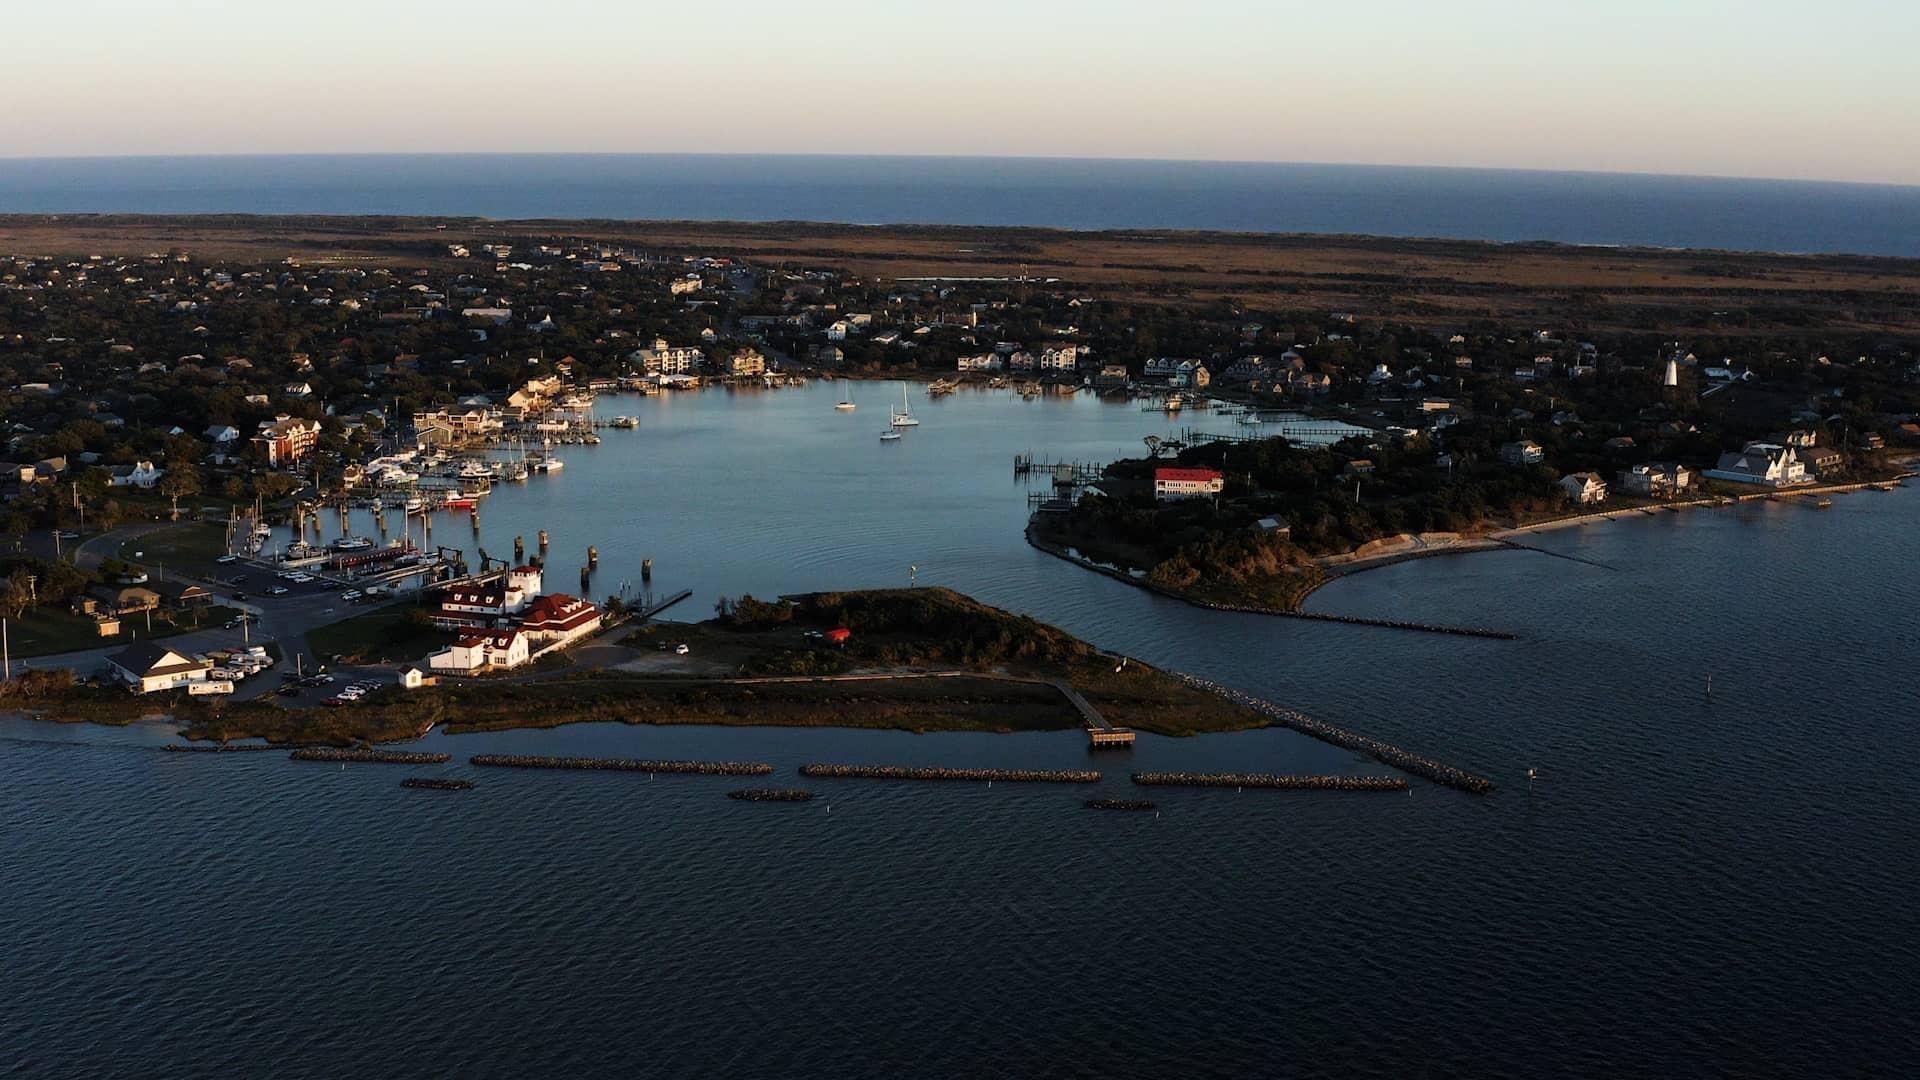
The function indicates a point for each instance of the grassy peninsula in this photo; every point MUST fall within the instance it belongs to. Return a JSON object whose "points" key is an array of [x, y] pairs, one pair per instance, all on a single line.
{"points": [[921, 660]]}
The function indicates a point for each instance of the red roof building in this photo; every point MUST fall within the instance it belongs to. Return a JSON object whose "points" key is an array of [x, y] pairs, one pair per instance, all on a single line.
{"points": [[560, 618], [1179, 483]]}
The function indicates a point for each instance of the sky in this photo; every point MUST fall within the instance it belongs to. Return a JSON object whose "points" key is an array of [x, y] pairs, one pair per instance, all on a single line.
{"points": [[1757, 88]]}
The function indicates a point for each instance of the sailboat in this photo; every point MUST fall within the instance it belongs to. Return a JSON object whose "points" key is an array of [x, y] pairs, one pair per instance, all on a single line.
{"points": [[846, 397], [905, 417], [890, 435]]}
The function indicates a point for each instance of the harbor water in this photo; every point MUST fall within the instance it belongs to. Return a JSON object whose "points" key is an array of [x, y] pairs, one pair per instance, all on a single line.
{"points": [[1694, 884]]}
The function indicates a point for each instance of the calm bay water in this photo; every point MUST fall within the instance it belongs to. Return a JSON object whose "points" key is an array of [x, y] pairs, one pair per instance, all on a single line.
{"points": [[1693, 887], [1468, 204]]}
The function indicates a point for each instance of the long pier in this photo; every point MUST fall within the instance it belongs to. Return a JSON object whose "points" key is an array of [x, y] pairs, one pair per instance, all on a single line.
{"points": [[663, 605], [1383, 752], [1101, 734]]}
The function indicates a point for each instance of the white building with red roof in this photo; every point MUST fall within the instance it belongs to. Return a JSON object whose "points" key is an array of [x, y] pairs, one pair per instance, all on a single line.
{"points": [[481, 604], [559, 620], [481, 651], [1178, 483]]}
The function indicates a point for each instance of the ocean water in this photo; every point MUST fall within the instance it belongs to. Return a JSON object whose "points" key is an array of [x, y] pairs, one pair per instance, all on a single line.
{"points": [[1695, 886], [1471, 204]]}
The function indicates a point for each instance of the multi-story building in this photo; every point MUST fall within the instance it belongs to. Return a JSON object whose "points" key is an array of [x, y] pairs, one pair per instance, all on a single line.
{"points": [[286, 440]]}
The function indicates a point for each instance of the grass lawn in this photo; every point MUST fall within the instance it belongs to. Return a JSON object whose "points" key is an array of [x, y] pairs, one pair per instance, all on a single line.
{"points": [[382, 636], [189, 544], [46, 631]]}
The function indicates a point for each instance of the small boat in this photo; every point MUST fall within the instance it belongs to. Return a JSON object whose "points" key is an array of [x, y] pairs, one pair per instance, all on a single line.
{"points": [[550, 465], [626, 421], [351, 543], [890, 435], [1250, 420], [905, 417], [460, 504], [846, 398]]}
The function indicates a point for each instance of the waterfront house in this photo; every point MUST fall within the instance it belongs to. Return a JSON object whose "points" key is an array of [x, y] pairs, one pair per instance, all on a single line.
{"points": [[665, 359], [1656, 480], [1821, 461], [746, 362], [981, 362], [1061, 358], [147, 667], [1765, 464], [558, 620], [1584, 488], [480, 652], [1111, 377], [1171, 483], [1523, 452]]}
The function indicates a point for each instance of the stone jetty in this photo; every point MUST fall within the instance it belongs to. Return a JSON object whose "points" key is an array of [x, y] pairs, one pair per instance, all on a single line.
{"points": [[382, 757], [215, 748], [699, 768], [437, 783], [770, 795], [1269, 780], [1385, 753], [1118, 804], [917, 772]]}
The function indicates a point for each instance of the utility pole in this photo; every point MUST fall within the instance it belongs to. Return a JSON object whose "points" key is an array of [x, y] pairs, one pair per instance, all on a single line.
{"points": [[6, 650]]}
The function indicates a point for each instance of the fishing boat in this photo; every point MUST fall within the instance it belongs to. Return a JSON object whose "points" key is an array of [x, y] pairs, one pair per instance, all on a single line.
{"points": [[846, 397], [351, 543], [890, 435], [905, 417], [626, 422], [461, 503]]}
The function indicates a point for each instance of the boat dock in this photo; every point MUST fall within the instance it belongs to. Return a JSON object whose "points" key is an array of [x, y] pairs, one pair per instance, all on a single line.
{"points": [[650, 612], [1101, 733]]}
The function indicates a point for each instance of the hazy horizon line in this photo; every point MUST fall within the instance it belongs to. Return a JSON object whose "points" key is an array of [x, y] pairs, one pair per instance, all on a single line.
{"points": [[1536, 170]]}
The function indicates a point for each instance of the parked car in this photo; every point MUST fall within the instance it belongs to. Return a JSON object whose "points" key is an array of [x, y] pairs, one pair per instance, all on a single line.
{"points": [[277, 590], [227, 558]]}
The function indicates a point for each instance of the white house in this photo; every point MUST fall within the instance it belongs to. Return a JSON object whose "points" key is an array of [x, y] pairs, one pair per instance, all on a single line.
{"points": [[140, 474], [982, 362], [1584, 488], [480, 652], [147, 667], [1766, 464]]}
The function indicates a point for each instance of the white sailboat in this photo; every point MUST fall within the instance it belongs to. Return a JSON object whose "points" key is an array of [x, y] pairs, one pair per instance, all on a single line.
{"points": [[905, 417], [846, 397]]}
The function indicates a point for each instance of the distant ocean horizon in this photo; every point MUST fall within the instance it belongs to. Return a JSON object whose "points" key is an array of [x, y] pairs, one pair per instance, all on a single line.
{"points": [[1499, 205]]}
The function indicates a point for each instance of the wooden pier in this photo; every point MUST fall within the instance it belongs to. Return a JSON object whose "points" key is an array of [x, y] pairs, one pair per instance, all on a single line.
{"points": [[650, 612], [1101, 734]]}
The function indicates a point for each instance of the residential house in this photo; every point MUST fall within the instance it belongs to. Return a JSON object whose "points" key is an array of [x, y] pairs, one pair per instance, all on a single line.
{"points": [[1523, 452], [1821, 460], [1656, 480], [124, 599], [181, 595], [981, 362], [1111, 377], [745, 362], [141, 474], [1765, 464], [1584, 488], [147, 667]]}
